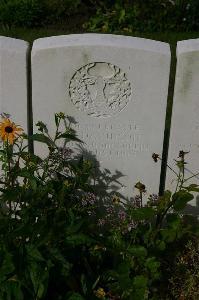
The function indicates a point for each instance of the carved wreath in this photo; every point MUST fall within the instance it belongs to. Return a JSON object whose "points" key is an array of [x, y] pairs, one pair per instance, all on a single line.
{"points": [[100, 89]]}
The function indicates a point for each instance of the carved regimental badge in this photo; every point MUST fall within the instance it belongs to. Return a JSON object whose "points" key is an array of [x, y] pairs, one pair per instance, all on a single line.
{"points": [[100, 89]]}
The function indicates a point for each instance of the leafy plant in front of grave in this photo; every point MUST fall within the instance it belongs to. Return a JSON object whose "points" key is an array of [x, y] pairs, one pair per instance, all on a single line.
{"points": [[40, 211], [185, 273], [61, 239]]}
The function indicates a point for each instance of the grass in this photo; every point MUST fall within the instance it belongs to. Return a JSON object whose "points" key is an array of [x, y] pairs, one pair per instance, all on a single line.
{"points": [[75, 26]]}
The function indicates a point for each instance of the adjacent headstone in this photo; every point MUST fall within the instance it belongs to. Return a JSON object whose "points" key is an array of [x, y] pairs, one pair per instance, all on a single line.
{"points": [[13, 79], [185, 122], [115, 87]]}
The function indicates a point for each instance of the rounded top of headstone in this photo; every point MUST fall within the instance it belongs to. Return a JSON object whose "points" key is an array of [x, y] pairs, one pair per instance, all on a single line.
{"points": [[101, 40], [187, 46], [12, 44]]}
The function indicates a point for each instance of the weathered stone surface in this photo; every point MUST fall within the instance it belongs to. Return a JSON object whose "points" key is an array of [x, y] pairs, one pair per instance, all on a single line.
{"points": [[185, 123], [115, 87], [13, 79]]}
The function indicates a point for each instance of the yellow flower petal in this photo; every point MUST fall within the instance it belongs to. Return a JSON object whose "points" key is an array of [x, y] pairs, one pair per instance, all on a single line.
{"points": [[9, 130]]}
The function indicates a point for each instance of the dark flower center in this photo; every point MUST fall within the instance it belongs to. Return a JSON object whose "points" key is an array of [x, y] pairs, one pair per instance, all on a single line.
{"points": [[8, 129]]}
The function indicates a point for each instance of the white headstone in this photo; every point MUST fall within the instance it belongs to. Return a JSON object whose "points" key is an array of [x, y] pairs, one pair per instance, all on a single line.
{"points": [[185, 122], [116, 89], [13, 79]]}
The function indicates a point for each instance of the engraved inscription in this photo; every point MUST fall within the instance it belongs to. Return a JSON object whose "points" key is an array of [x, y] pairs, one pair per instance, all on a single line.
{"points": [[100, 89], [113, 141]]}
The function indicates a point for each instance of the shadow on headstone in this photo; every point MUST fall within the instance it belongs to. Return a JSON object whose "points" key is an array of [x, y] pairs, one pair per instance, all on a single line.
{"points": [[105, 182], [193, 210], [112, 85]]}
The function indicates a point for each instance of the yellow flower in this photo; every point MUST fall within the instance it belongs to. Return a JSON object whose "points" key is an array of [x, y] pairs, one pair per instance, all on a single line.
{"points": [[115, 199], [100, 293], [32, 164], [67, 184], [141, 187], [9, 130]]}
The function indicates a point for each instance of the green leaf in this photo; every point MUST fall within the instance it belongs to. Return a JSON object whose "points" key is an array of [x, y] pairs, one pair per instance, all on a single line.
{"points": [[122, 16], [38, 137], [180, 164], [24, 173], [79, 239], [152, 264], [160, 245], [6, 267], [95, 283], [140, 289], [34, 253], [140, 281], [41, 290], [192, 188], [83, 283], [69, 136], [56, 120], [32, 157], [58, 258], [39, 276], [144, 213], [173, 220], [12, 289], [123, 275], [167, 195], [164, 201], [123, 268], [169, 235], [10, 193], [33, 269], [74, 227], [138, 251], [33, 183], [180, 199], [32, 180]]}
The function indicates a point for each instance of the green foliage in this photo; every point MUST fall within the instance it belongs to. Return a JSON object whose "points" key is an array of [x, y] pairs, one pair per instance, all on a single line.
{"points": [[128, 16], [144, 16], [185, 278], [181, 198], [21, 12], [61, 239], [33, 13]]}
